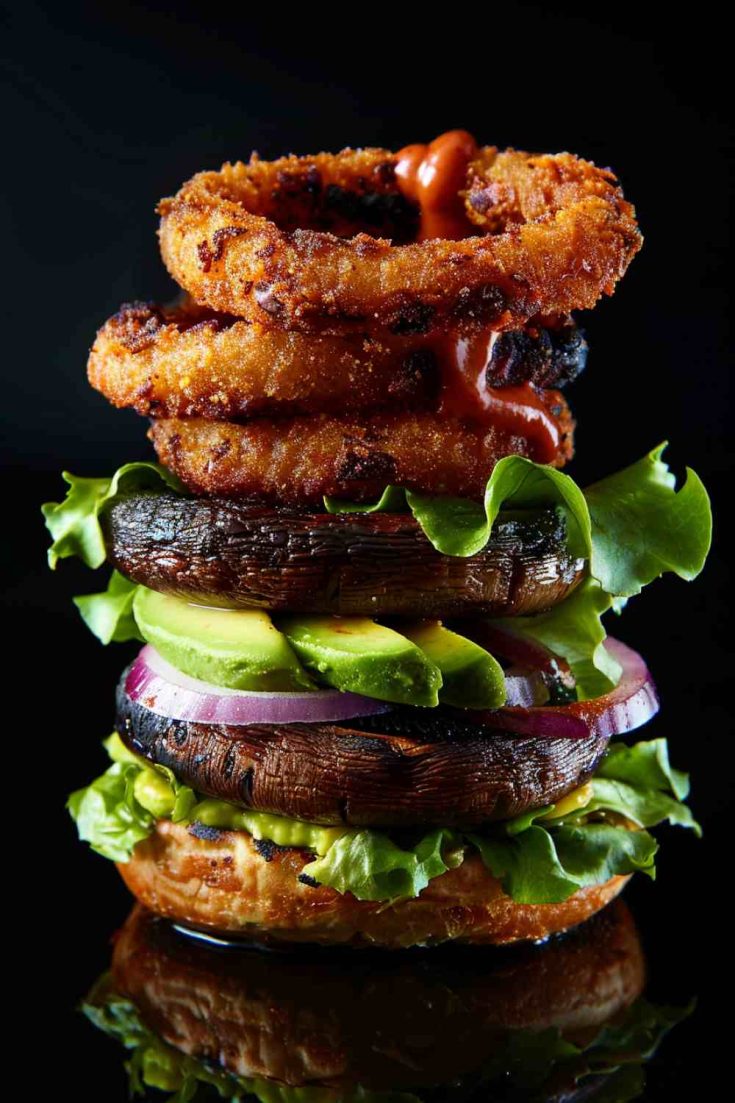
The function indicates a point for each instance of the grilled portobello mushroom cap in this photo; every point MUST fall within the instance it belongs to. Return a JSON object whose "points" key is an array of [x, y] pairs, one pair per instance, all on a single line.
{"points": [[406, 768], [217, 551]]}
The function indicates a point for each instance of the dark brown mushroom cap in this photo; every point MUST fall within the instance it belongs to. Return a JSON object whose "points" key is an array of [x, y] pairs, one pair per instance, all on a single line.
{"points": [[223, 552], [406, 768]]}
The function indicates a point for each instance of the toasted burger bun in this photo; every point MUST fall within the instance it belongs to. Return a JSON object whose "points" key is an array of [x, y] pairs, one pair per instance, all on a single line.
{"points": [[299, 1019], [223, 885]]}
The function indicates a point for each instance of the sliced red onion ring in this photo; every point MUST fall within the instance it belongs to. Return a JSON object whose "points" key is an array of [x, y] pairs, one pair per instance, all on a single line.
{"points": [[165, 690], [632, 703]]}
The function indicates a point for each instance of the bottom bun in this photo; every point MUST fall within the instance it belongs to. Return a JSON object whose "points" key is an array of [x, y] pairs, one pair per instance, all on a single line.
{"points": [[224, 886]]}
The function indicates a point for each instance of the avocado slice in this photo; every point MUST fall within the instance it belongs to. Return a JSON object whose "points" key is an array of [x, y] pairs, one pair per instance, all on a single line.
{"points": [[236, 648], [471, 677], [356, 654]]}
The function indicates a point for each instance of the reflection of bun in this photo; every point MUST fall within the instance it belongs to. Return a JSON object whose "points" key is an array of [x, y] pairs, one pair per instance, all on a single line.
{"points": [[225, 885], [397, 1023]]}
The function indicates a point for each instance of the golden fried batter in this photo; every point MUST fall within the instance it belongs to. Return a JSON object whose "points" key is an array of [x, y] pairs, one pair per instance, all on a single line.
{"points": [[327, 243], [298, 460], [188, 361], [185, 361]]}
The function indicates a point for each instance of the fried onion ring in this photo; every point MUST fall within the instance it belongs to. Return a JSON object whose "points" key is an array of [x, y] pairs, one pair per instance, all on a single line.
{"points": [[327, 243], [188, 361], [296, 461]]}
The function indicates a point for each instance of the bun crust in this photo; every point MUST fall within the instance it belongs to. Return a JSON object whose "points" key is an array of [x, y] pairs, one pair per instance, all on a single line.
{"points": [[223, 885]]}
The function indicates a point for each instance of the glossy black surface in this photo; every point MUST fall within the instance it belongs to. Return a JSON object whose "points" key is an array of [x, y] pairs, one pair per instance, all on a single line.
{"points": [[111, 106], [524, 1024]]}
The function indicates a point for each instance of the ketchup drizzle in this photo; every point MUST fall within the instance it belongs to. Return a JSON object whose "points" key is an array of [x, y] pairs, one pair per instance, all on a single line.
{"points": [[434, 176]]}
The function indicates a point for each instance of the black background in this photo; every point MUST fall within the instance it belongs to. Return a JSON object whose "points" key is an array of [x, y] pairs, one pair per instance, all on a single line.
{"points": [[107, 108]]}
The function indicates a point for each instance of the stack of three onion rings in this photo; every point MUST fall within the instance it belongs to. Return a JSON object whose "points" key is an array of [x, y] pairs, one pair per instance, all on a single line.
{"points": [[311, 357]]}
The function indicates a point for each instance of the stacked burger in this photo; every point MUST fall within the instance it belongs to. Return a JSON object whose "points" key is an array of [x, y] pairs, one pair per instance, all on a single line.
{"points": [[375, 699]]}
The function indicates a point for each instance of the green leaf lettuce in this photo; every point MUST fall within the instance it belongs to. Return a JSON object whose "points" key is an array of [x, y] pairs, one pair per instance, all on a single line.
{"points": [[642, 526], [74, 523], [109, 614], [107, 814], [119, 808], [371, 866], [631, 526], [574, 630], [539, 857]]}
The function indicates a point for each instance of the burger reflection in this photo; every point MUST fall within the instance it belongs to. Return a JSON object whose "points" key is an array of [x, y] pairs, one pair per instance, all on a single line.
{"points": [[562, 1022]]}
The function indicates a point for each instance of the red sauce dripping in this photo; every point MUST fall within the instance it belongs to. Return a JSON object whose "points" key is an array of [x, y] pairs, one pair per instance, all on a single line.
{"points": [[519, 411], [433, 176]]}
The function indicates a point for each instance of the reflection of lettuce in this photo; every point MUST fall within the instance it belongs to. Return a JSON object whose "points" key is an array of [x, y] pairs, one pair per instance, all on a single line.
{"points": [[539, 857], [532, 1063], [537, 1063], [154, 1064]]}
